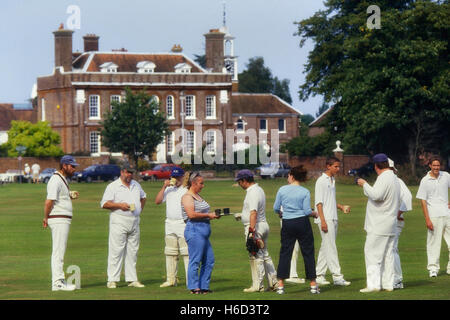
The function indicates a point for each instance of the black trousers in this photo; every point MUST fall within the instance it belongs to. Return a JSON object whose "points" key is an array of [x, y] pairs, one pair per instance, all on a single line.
{"points": [[292, 230]]}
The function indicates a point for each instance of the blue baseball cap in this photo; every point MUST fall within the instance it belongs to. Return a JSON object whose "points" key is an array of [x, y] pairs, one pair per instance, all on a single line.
{"points": [[177, 172], [380, 157], [242, 174], [69, 160]]}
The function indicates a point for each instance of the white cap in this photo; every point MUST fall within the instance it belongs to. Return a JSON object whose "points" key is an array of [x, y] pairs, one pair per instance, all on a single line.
{"points": [[391, 164]]}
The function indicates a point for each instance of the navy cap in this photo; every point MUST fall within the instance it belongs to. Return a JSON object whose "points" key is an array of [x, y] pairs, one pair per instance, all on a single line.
{"points": [[177, 172], [380, 157], [69, 160], [244, 174]]}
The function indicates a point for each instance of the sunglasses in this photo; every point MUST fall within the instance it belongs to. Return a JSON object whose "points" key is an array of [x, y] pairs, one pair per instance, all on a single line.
{"points": [[194, 175]]}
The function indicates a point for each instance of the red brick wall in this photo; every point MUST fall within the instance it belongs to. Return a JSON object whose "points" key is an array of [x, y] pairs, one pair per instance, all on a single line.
{"points": [[13, 163], [316, 165]]}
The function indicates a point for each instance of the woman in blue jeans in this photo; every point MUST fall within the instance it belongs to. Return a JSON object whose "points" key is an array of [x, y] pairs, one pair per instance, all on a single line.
{"points": [[197, 234]]}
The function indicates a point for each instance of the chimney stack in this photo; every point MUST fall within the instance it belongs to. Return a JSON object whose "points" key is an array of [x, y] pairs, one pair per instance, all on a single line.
{"points": [[215, 50], [63, 48], [177, 48], [90, 42]]}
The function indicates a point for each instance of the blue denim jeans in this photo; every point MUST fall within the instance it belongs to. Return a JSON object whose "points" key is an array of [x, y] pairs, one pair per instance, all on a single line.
{"points": [[200, 250]]}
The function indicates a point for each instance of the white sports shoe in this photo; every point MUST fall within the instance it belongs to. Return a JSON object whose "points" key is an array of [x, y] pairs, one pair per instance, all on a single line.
{"points": [[168, 284], [251, 289], [62, 285], [342, 282], [321, 280], [280, 290], [295, 280], [433, 274], [398, 285], [315, 289], [136, 284], [111, 285], [368, 290]]}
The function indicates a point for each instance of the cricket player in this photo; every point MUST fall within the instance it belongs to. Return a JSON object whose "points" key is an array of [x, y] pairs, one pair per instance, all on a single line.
{"points": [[171, 193], [254, 220], [433, 195], [325, 202], [405, 205], [380, 224], [125, 199], [58, 216]]}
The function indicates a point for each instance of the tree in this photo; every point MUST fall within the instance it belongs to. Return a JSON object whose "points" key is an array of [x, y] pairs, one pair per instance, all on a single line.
{"points": [[38, 138], [201, 60], [324, 107], [306, 118], [258, 78], [390, 87], [134, 126]]}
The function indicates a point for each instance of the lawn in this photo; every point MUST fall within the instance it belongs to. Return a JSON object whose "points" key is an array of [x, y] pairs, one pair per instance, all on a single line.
{"points": [[25, 248]]}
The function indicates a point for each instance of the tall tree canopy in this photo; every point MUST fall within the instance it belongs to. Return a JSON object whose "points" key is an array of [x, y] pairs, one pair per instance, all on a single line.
{"points": [[390, 87], [38, 138], [258, 78], [134, 126]]}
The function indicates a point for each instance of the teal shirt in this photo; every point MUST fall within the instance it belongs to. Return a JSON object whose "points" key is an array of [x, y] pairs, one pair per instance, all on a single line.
{"points": [[296, 202]]}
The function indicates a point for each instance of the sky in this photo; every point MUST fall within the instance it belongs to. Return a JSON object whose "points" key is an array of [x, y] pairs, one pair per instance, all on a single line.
{"points": [[262, 28]]}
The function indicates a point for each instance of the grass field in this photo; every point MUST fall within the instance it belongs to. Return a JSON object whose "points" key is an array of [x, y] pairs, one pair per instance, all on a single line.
{"points": [[25, 248]]}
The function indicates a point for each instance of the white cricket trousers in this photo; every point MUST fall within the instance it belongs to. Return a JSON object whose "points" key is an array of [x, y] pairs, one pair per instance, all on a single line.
{"points": [[441, 228], [328, 255], [60, 232], [123, 246], [398, 274], [378, 252]]}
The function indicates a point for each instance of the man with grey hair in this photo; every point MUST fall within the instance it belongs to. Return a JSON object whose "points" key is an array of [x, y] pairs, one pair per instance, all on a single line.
{"points": [[125, 199]]}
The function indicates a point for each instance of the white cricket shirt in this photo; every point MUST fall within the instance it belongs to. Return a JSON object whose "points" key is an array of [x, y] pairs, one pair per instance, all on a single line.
{"points": [[325, 193], [435, 193], [382, 205], [58, 191], [255, 199], [172, 197], [118, 192], [405, 197]]}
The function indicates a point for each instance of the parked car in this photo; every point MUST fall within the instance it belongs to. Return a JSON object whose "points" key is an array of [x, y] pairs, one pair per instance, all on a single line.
{"points": [[161, 171], [363, 171], [273, 169], [98, 172], [46, 174]]}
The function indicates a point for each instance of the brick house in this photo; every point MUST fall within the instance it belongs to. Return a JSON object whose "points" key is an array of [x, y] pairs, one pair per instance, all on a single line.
{"points": [[9, 112], [83, 85]]}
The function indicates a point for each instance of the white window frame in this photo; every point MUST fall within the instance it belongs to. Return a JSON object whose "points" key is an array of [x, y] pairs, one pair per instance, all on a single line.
{"points": [[243, 125], [170, 142], [91, 107], [211, 105], [263, 130], [91, 143], [172, 114], [112, 99], [284, 126], [211, 146], [42, 109], [188, 150], [192, 116]]}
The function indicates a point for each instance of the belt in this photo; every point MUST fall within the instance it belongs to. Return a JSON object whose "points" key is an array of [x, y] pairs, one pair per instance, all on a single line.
{"points": [[59, 216]]}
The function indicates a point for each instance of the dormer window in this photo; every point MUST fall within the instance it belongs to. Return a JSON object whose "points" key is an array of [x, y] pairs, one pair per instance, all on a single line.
{"points": [[109, 67], [183, 68], [145, 67]]}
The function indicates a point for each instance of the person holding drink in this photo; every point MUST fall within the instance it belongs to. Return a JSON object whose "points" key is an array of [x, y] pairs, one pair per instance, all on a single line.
{"points": [[125, 199]]}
